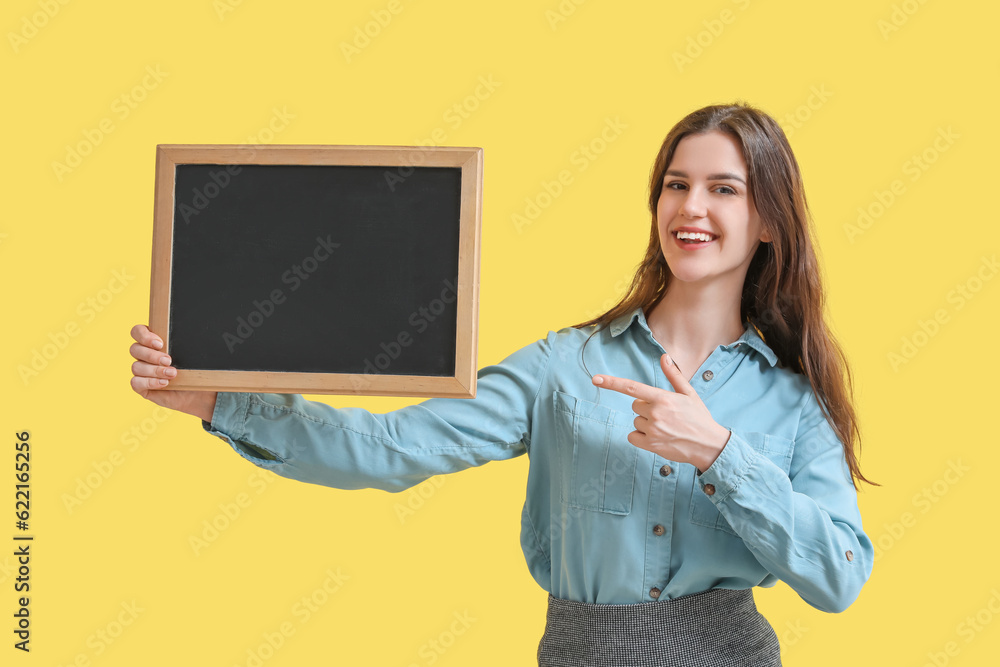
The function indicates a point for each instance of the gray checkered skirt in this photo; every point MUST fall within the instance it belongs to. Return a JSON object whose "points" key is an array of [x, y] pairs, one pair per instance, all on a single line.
{"points": [[717, 628]]}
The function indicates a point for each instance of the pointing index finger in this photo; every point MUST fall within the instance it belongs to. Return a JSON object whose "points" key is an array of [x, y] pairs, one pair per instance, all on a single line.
{"points": [[626, 386]]}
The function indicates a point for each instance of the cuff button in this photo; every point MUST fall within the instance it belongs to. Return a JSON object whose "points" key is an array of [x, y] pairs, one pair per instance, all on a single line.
{"points": [[850, 555]]}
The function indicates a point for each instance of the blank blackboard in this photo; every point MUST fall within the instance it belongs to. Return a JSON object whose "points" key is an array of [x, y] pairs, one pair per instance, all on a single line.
{"points": [[318, 269]]}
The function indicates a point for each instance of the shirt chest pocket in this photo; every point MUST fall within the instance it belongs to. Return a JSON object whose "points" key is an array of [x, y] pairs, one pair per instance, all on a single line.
{"points": [[596, 467], [776, 449]]}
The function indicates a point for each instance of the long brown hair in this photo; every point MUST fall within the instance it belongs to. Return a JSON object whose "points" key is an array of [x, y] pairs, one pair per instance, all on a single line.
{"points": [[782, 295]]}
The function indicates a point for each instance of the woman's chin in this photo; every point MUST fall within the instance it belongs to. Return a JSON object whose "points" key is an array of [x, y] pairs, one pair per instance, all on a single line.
{"points": [[688, 275]]}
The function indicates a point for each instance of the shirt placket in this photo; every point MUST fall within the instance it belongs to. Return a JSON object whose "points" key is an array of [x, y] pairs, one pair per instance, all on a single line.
{"points": [[659, 526], [660, 520]]}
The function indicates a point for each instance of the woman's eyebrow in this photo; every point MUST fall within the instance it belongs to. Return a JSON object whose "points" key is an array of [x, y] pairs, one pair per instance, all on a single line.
{"points": [[726, 176]]}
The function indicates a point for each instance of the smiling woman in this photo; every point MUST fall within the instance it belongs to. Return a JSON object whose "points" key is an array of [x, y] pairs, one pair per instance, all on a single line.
{"points": [[653, 509], [729, 171]]}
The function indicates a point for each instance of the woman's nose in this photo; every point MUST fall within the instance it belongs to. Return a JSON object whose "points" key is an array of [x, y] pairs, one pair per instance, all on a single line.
{"points": [[694, 204]]}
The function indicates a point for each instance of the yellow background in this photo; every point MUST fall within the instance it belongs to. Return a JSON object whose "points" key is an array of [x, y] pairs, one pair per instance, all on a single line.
{"points": [[859, 101]]}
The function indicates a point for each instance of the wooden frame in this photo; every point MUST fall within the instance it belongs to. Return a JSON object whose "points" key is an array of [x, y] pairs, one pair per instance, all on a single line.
{"points": [[470, 160]]}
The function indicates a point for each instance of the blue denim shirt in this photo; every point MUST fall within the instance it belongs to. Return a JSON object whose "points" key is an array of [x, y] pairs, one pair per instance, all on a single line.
{"points": [[603, 520]]}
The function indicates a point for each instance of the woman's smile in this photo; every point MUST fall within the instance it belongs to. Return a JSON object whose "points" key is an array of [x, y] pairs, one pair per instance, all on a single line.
{"points": [[690, 238]]}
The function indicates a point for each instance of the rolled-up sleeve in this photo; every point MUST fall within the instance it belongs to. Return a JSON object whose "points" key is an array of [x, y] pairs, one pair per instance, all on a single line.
{"points": [[804, 526], [352, 448]]}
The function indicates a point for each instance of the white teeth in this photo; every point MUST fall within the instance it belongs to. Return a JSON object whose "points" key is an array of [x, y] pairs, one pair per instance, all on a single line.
{"points": [[696, 236]]}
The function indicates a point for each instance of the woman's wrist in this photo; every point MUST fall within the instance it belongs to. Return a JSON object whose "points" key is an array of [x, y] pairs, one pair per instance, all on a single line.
{"points": [[205, 405], [714, 447]]}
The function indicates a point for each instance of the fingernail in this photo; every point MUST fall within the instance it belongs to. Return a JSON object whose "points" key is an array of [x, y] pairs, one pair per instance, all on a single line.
{"points": [[162, 382], [598, 380], [165, 360], [157, 343], [670, 361], [170, 372]]}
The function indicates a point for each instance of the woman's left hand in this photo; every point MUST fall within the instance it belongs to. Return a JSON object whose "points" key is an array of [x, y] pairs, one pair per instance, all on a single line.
{"points": [[673, 424]]}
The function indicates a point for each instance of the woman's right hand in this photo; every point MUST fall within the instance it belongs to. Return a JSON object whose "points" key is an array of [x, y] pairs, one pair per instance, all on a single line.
{"points": [[151, 374]]}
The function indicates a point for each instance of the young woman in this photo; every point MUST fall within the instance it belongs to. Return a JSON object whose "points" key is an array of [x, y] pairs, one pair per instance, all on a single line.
{"points": [[695, 441]]}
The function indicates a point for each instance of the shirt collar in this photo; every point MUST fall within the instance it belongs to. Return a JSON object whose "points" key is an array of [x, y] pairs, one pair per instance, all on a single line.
{"points": [[750, 336]]}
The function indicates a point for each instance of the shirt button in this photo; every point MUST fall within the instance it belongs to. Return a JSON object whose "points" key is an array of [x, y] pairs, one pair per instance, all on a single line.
{"points": [[659, 530], [709, 489], [654, 593], [707, 375], [664, 470], [849, 554]]}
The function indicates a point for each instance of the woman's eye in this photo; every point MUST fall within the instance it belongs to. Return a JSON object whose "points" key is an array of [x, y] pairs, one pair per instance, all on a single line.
{"points": [[674, 186], [726, 190]]}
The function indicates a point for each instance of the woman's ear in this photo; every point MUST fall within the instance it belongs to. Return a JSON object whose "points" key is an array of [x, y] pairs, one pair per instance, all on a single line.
{"points": [[765, 236]]}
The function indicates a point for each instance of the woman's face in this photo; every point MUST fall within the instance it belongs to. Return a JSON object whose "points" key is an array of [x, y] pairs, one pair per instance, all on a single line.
{"points": [[705, 193]]}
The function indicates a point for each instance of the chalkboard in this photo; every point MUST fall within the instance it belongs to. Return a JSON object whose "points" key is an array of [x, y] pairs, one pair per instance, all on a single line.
{"points": [[318, 269]]}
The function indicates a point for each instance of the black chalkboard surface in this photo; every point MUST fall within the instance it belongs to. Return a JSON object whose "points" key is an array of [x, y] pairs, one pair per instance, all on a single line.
{"points": [[318, 269]]}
